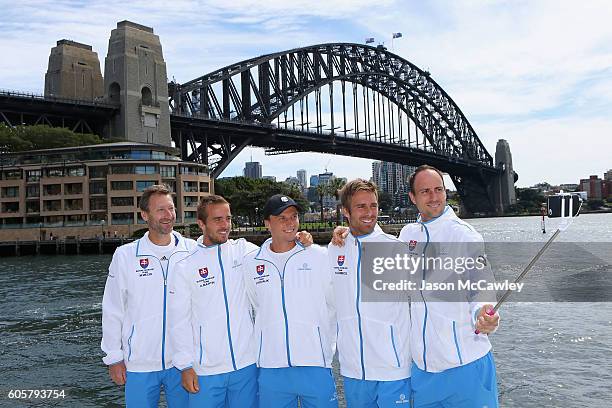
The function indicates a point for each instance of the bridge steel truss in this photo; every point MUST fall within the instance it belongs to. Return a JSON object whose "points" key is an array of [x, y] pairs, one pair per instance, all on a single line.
{"points": [[18, 108], [348, 99]]}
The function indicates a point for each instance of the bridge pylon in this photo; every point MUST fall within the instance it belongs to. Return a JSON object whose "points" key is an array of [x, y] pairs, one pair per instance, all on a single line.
{"points": [[135, 77]]}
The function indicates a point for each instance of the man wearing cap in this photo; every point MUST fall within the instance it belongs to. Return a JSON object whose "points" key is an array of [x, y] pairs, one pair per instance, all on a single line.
{"points": [[212, 331], [290, 289]]}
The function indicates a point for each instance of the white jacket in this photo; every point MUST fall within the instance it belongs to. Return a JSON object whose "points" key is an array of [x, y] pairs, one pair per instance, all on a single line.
{"points": [[443, 332], [373, 337], [212, 325], [293, 307], [134, 318]]}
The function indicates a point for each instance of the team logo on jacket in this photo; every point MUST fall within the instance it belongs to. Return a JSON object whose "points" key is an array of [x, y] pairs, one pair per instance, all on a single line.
{"points": [[260, 269], [144, 262], [412, 244], [340, 260], [203, 272]]}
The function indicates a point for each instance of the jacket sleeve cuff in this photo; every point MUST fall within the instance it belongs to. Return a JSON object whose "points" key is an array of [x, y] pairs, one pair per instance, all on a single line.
{"points": [[113, 358], [182, 361]]}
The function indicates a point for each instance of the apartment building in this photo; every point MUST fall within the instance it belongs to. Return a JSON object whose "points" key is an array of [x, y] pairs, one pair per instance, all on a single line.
{"points": [[90, 191]]}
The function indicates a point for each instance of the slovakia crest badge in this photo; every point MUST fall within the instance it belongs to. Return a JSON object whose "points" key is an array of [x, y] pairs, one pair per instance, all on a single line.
{"points": [[203, 272], [340, 260], [144, 262], [412, 244], [260, 269]]}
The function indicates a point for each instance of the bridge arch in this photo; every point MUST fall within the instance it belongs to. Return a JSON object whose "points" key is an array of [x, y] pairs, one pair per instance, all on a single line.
{"points": [[290, 101], [260, 90]]}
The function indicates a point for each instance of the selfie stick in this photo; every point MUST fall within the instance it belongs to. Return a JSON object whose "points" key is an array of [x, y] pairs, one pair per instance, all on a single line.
{"points": [[565, 223]]}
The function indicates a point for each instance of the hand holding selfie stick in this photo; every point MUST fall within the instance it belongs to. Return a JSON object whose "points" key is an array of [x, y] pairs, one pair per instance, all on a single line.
{"points": [[565, 223]]}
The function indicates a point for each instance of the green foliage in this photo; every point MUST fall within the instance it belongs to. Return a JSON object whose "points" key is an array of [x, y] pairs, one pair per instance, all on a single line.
{"points": [[22, 138], [248, 196], [595, 204], [385, 201], [528, 201]]}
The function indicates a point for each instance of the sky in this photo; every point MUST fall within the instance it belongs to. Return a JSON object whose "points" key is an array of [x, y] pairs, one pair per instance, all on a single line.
{"points": [[535, 73]]}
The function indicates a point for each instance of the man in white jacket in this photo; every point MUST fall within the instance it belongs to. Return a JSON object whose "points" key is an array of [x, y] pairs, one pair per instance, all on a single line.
{"points": [[290, 289], [134, 307], [453, 366], [373, 337], [212, 331]]}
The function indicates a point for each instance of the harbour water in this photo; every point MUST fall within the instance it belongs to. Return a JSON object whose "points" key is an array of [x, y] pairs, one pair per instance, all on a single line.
{"points": [[548, 354]]}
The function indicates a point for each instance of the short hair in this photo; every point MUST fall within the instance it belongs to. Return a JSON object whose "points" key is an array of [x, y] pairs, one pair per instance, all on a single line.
{"points": [[420, 169], [348, 191], [161, 189], [205, 202]]}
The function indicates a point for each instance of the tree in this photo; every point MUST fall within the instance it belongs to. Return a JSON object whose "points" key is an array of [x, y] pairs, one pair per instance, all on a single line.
{"points": [[385, 200], [321, 193], [23, 138], [248, 196], [333, 189], [595, 204]]}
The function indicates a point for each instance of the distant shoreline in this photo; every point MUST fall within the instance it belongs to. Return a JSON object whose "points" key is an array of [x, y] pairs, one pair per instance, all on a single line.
{"points": [[538, 214]]}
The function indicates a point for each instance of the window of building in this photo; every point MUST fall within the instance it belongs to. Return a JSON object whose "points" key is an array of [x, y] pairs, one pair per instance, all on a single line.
{"points": [[142, 184], [56, 172], [122, 185], [190, 201], [171, 185], [97, 218], [10, 192], [52, 205], [97, 204], [146, 96], [10, 207], [75, 171], [189, 170], [167, 171], [122, 201], [33, 175], [97, 187], [77, 219], [122, 218], [204, 187], [122, 169], [54, 220], [11, 174], [98, 172], [145, 169], [159, 155], [73, 204], [33, 191], [52, 189], [73, 188], [32, 206], [189, 216], [140, 154], [190, 186]]}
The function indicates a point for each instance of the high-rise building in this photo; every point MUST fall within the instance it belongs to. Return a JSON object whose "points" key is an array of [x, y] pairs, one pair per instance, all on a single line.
{"points": [[324, 178], [293, 181], [252, 170], [314, 180], [595, 187], [392, 178], [301, 175]]}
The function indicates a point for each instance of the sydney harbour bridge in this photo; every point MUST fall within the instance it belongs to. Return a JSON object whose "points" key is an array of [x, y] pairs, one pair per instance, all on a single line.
{"points": [[346, 99]]}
